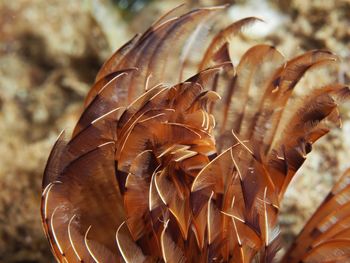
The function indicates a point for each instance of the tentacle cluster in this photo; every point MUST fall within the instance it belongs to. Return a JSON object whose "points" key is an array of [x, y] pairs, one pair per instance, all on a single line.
{"points": [[160, 168]]}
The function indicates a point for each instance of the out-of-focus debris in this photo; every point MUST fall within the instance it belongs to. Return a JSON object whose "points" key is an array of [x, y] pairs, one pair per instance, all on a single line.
{"points": [[49, 56]]}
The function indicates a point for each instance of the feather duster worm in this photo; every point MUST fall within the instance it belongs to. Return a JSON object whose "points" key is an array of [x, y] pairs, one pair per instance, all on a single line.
{"points": [[161, 169]]}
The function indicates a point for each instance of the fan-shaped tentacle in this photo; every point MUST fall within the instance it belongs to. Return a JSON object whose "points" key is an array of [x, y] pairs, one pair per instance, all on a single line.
{"points": [[83, 206], [327, 223], [192, 171]]}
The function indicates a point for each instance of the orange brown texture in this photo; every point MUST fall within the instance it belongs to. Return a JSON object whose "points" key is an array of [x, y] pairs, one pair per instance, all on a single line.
{"points": [[178, 161]]}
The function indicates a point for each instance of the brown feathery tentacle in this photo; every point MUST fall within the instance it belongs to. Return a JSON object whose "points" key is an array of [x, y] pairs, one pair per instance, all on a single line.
{"points": [[163, 172], [329, 214]]}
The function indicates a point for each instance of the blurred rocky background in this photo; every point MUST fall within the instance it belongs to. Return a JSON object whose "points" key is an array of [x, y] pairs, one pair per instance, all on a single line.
{"points": [[50, 52]]}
